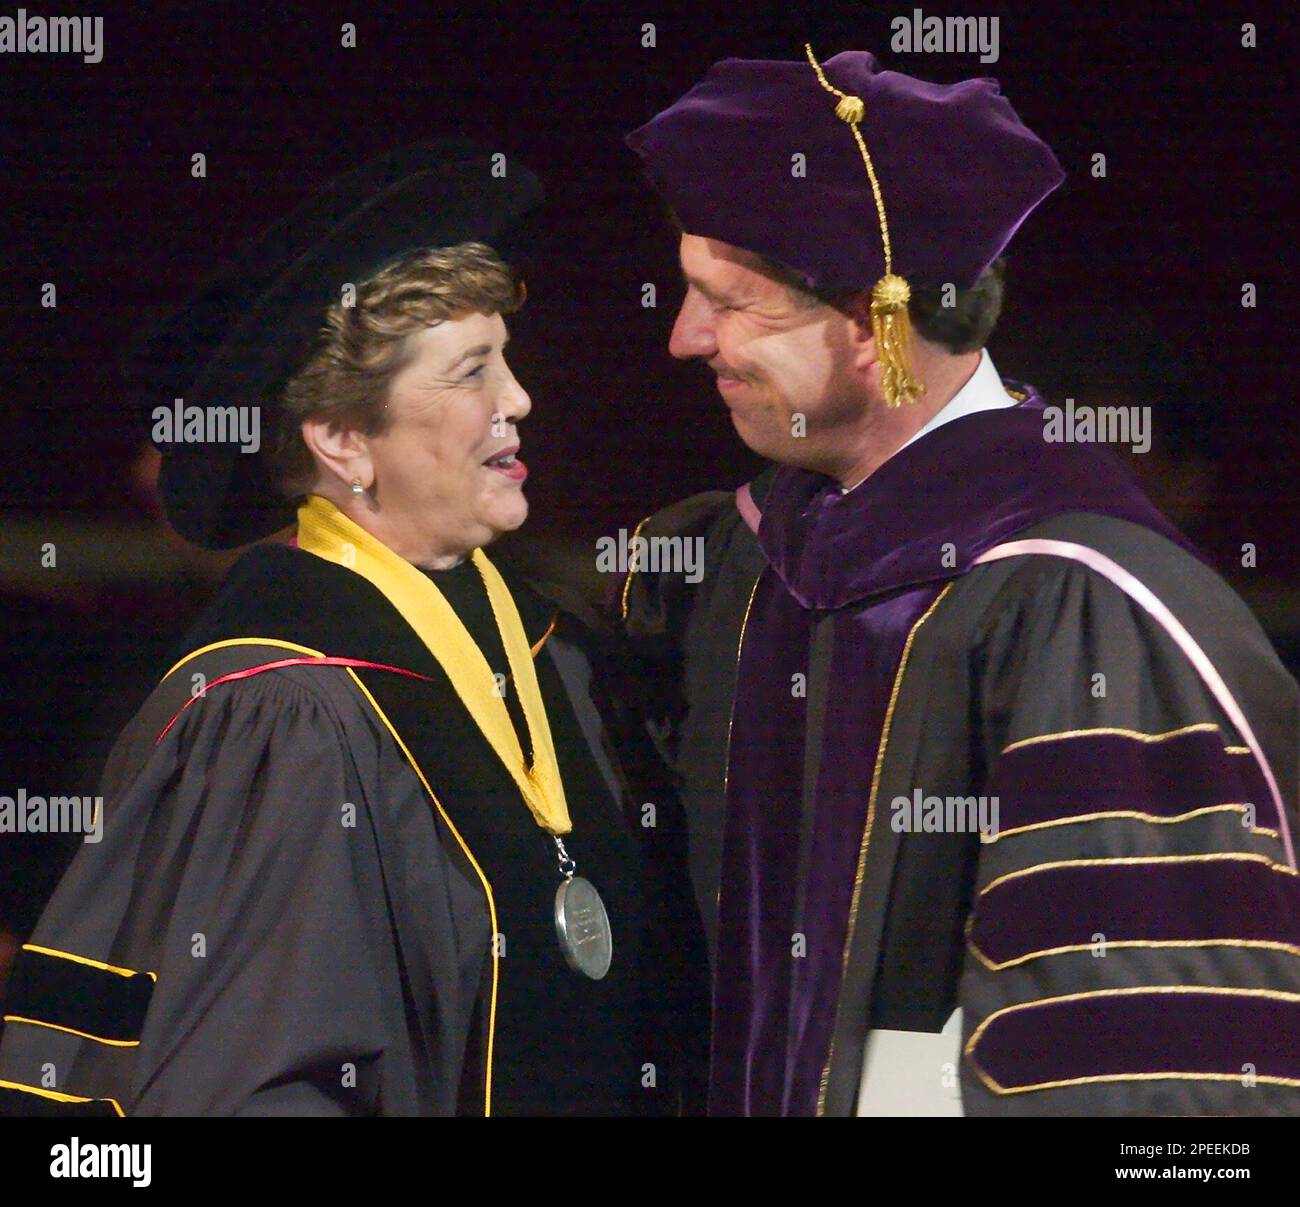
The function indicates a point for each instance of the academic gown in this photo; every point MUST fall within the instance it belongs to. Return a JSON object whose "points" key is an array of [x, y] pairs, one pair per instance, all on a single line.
{"points": [[319, 892], [1126, 940]]}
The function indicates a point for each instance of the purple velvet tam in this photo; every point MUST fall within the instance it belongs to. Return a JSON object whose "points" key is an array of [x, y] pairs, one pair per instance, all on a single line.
{"points": [[958, 170]]}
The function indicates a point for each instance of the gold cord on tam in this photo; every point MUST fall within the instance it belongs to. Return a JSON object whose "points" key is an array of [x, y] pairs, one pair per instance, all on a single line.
{"points": [[889, 297]]}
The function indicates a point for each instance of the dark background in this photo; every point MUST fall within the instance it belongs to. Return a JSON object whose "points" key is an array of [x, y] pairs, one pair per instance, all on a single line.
{"points": [[1125, 288]]}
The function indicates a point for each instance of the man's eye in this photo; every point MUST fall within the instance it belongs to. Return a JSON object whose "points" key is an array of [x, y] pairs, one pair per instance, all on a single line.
{"points": [[475, 372]]}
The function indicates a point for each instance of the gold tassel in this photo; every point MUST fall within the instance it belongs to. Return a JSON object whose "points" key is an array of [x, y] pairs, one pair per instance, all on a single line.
{"points": [[892, 329], [890, 324]]}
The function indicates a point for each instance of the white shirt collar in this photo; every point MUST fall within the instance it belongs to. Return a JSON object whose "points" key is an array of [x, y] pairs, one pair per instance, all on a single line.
{"points": [[983, 392]]}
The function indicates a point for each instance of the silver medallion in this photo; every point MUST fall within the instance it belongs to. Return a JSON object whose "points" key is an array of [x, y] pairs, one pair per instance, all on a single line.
{"points": [[583, 928]]}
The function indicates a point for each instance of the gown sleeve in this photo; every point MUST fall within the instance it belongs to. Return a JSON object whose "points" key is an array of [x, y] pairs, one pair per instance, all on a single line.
{"points": [[220, 950], [652, 609], [1133, 946], [683, 639]]}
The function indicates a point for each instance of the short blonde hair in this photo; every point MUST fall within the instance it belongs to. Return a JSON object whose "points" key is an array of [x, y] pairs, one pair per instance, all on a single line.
{"points": [[361, 347]]}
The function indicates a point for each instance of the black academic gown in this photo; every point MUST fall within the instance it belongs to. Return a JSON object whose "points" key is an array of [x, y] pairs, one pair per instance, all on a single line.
{"points": [[1128, 941], [320, 893]]}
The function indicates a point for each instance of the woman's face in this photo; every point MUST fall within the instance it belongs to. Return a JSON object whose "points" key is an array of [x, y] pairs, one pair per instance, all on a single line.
{"points": [[445, 481]]}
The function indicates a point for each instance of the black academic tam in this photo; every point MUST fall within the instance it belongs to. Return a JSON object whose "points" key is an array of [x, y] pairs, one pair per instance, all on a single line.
{"points": [[250, 325]]}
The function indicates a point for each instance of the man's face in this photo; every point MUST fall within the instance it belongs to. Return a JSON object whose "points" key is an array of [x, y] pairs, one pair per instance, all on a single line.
{"points": [[774, 359], [453, 410]]}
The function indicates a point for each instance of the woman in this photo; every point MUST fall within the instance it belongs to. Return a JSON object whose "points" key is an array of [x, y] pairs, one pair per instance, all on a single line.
{"points": [[368, 848]]}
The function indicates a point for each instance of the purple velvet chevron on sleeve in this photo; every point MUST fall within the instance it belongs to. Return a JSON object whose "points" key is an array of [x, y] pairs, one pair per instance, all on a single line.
{"points": [[1134, 941]]}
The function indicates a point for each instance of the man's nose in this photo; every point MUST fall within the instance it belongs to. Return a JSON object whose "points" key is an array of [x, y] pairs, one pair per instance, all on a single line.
{"points": [[693, 332]]}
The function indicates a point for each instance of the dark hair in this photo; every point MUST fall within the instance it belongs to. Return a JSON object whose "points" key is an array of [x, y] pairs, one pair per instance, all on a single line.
{"points": [[962, 326], [966, 325]]}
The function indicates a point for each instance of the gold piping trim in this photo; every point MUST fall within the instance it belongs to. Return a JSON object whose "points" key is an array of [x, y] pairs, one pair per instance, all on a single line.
{"points": [[99, 1039], [997, 1088], [487, 888], [731, 719], [726, 754], [1128, 813], [1231, 856], [1199, 727], [67, 955], [1267, 944], [54, 1094], [627, 582], [866, 829], [993, 1086], [1236, 750], [230, 641]]}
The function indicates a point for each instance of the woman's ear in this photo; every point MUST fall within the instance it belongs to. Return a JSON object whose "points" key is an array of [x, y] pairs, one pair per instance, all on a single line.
{"points": [[340, 451]]}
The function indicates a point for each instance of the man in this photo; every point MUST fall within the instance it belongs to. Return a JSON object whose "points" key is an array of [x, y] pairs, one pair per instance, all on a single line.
{"points": [[1001, 742]]}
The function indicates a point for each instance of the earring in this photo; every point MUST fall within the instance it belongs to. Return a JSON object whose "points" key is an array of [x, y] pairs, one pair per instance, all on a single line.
{"points": [[357, 488]]}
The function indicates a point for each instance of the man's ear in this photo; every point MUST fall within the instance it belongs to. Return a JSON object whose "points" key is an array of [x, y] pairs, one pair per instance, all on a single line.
{"points": [[858, 308], [341, 451]]}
